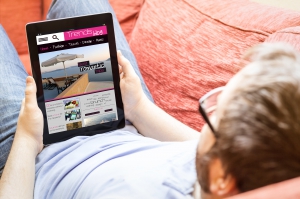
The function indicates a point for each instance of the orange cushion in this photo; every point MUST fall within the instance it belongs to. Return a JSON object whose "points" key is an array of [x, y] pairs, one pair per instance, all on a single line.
{"points": [[127, 13], [288, 35], [288, 189], [186, 48], [26, 62], [14, 15], [46, 6]]}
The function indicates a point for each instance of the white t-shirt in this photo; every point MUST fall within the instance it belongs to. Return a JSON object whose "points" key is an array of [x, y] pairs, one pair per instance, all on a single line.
{"points": [[118, 164]]}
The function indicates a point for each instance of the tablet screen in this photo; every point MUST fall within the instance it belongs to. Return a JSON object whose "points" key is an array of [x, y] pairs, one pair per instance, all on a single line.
{"points": [[77, 78]]}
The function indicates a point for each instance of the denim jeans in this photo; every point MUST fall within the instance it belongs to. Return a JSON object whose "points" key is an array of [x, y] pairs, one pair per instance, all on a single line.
{"points": [[13, 74]]}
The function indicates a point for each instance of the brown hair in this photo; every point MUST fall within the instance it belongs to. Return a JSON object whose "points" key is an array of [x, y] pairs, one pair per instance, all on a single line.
{"points": [[259, 134]]}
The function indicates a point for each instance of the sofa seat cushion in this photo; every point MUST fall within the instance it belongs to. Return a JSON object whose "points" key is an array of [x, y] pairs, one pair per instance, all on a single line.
{"points": [[127, 13], [26, 62], [185, 48], [13, 17], [46, 7]]}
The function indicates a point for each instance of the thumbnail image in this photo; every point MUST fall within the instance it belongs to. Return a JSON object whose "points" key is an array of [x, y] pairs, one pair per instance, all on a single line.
{"points": [[73, 115], [76, 71], [100, 119], [75, 125], [71, 103]]}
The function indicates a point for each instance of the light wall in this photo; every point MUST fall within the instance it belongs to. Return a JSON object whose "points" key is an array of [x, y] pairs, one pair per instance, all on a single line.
{"points": [[288, 4]]}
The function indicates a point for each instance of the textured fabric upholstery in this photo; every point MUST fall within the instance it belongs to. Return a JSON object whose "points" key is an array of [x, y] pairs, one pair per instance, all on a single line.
{"points": [[288, 189], [127, 13], [289, 35], [187, 48], [13, 17]]}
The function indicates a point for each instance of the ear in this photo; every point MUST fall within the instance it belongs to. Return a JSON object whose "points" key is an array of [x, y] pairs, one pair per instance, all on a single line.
{"points": [[221, 185]]}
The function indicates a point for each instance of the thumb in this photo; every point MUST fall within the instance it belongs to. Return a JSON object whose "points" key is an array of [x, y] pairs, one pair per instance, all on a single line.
{"points": [[30, 92], [126, 66], [22, 106]]}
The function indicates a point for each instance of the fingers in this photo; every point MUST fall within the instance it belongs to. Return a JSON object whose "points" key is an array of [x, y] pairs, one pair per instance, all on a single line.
{"points": [[125, 64], [30, 92], [119, 54], [120, 69]]}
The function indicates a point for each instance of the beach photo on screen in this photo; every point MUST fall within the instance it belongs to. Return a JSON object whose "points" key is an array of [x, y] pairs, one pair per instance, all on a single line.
{"points": [[76, 71]]}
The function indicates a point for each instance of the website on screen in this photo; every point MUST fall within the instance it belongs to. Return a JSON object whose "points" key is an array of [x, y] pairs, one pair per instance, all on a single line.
{"points": [[77, 78]]}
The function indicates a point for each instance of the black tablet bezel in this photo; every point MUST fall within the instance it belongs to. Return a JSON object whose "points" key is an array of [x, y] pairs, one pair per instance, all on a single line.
{"points": [[61, 25]]}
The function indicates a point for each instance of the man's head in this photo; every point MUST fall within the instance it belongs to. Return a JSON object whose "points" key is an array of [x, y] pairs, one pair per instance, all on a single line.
{"points": [[257, 122]]}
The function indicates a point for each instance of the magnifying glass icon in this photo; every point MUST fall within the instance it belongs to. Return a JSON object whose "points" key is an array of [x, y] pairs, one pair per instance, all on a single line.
{"points": [[54, 37]]}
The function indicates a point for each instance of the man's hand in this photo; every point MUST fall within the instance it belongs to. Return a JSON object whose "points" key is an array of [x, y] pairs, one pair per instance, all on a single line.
{"points": [[30, 122], [131, 89], [18, 176]]}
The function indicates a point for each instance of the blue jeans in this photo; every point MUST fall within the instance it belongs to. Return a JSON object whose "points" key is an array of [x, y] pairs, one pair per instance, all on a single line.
{"points": [[13, 74]]}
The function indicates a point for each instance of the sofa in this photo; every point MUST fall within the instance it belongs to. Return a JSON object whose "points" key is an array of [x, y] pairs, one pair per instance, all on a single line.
{"points": [[185, 48]]}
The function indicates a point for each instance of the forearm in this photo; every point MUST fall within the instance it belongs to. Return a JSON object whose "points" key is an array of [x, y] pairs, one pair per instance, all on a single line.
{"points": [[152, 121], [19, 173], [149, 119]]}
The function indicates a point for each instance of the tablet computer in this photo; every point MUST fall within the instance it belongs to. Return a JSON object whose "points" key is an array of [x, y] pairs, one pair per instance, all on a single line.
{"points": [[74, 64]]}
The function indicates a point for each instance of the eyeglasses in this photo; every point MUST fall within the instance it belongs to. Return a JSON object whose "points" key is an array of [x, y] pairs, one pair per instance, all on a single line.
{"points": [[208, 104]]}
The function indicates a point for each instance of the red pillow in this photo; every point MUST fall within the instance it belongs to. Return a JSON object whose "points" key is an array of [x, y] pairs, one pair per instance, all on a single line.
{"points": [[288, 35], [185, 48], [127, 13], [46, 7], [13, 17], [288, 189]]}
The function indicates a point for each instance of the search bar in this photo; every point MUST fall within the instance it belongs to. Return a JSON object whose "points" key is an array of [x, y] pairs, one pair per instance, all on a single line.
{"points": [[50, 38]]}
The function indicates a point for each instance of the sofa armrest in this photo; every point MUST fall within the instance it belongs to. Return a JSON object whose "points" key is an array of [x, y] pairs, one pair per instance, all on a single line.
{"points": [[284, 190]]}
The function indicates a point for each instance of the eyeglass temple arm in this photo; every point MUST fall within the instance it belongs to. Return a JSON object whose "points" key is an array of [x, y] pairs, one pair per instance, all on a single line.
{"points": [[206, 119]]}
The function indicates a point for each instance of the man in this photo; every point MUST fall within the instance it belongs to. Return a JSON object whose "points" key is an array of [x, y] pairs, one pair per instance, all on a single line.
{"points": [[116, 158], [256, 126], [250, 140]]}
